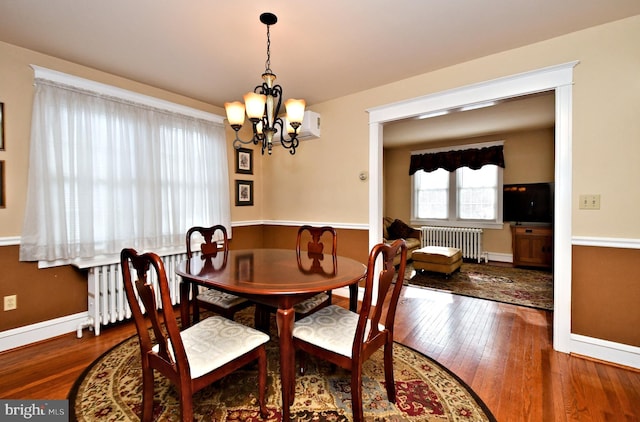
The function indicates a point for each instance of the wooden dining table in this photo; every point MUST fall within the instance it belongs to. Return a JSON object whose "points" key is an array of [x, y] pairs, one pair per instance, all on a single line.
{"points": [[277, 278]]}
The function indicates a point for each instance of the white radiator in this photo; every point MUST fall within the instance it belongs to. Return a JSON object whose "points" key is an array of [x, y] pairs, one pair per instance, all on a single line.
{"points": [[107, 300], [468, 240]]}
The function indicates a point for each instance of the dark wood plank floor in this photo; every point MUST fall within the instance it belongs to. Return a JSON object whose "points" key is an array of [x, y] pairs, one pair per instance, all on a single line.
{"points": [[503, 352]]}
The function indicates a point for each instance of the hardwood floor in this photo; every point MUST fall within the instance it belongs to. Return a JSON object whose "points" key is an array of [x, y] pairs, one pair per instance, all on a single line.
{"points": [[503, 352]]}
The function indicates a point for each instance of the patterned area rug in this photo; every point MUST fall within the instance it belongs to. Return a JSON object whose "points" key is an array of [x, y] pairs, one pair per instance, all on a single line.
{"points": [[518, 286], [110, 390]]}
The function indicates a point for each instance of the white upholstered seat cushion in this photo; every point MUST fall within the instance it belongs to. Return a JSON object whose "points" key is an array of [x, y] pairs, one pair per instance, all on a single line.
{"points": [[309, 304], [221, 299], [332, 327], [216, 340]]}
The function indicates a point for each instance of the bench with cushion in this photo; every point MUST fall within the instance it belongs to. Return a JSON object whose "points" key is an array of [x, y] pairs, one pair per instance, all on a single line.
{"points": [[438, 259]]}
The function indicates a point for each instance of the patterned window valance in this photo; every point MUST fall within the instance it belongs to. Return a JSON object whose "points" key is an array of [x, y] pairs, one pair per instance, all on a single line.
{"points": [[451, 160]]}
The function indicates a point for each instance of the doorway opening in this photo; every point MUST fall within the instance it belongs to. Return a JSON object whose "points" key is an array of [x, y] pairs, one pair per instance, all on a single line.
{"points": [[557, 78]]}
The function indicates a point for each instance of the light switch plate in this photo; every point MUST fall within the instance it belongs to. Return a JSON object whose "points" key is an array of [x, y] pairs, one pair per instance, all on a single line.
{"points": [[590, 202]]}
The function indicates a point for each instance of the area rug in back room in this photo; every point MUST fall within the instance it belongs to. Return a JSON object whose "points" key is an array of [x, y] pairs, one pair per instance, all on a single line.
{"points": [[518, 286]]}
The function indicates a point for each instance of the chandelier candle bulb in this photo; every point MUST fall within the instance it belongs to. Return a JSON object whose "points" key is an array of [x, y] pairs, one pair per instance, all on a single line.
{"points": [[235, 113], [255, 105], [295, 110]]}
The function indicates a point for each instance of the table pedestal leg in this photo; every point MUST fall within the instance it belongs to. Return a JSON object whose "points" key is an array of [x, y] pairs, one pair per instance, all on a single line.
{"points": [[353, 297], [285, 319], [185, 289]]}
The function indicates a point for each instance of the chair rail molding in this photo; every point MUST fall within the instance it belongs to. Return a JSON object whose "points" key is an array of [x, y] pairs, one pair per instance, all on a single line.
{"points": [[10, 241]]}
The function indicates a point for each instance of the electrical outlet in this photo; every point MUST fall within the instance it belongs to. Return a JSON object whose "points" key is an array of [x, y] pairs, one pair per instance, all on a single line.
{"points": [[10, 302]]}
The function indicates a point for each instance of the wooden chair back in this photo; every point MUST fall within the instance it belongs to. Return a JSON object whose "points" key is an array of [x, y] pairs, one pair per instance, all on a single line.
{"points": [[315, 244], [215, 243], [389, 284], [166, 333], [211, 245]]}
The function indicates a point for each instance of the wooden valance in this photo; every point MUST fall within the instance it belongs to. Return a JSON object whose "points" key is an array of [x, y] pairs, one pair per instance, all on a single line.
{"points": [[473, 158]]}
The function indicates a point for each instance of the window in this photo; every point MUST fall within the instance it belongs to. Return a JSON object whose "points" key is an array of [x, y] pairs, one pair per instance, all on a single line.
{"points": [[107, 173], [463, 197], [477, 193]]}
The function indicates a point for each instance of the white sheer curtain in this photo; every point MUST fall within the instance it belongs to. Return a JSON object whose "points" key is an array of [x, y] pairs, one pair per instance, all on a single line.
{"points": [[107, 173]]}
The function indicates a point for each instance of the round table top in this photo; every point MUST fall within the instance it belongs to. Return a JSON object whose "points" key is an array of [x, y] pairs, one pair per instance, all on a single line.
{"points": [[272, 271]]}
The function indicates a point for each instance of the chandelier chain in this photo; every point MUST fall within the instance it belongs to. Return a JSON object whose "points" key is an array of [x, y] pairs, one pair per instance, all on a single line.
{"points": [[267, 64]]}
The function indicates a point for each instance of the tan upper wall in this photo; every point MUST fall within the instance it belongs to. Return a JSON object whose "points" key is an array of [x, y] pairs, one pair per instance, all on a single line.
{"points": [[605, 132], [16, 92], [320, 183]]}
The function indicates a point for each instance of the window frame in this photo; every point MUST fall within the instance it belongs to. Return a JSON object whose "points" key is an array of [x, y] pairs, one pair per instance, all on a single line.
{"points": [[453, 219]]}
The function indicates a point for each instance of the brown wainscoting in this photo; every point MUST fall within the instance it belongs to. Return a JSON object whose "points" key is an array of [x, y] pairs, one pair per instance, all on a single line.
{"points": [[351, 243], [42, 294], [46, 294], [247, 237], [605, 294]]}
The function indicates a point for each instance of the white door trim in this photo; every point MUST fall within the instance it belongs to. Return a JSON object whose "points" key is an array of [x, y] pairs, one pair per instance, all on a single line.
{"points": [[558, 78]]}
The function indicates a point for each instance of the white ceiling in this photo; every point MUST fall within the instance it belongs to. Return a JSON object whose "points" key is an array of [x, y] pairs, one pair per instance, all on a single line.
{"points": [[515, 114], [215, 51]]}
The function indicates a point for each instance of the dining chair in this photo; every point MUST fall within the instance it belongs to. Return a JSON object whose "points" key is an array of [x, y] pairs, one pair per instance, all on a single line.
{"points": [[314, 248], [193, 358], [347, 339], [225, 304]]}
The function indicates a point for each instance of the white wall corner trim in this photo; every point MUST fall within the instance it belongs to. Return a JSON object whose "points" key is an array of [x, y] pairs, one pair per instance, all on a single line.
{"points": [[22, 336], [618, 353]]}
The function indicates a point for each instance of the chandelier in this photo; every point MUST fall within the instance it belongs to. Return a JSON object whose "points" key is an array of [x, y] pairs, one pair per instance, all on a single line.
{"points": [[262, 107]]}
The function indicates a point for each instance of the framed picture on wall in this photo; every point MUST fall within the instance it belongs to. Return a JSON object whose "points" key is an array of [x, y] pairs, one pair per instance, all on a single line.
{"points": [[1, 126], [2, 202], [244, 192], [244, 161]]}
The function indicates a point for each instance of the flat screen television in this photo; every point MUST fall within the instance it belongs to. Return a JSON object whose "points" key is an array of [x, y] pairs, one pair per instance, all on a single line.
{"points": [[528, 203]]}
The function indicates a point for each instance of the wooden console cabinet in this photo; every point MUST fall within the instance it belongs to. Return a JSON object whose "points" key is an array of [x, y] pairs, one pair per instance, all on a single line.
{"points": [[532, 246]]}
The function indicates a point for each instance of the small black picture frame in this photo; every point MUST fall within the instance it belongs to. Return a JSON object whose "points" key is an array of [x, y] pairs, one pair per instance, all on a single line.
{"points": [[3, 204], [244, 192], [244, 161], [1, 126]]}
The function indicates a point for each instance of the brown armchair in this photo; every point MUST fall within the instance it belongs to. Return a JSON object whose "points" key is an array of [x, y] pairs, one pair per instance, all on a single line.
{"points": [[393, 229]]}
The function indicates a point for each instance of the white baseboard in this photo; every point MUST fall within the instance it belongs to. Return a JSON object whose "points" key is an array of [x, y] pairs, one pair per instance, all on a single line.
{"points": [[500, 257], [618, 353], [22, 336]]}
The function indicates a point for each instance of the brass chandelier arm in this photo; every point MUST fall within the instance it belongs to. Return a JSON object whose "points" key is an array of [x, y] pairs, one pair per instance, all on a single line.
{"points": [[259, 138], [292, 143]]}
